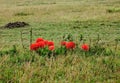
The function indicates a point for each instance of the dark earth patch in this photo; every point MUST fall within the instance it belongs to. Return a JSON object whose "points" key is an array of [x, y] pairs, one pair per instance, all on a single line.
{"points": [[16, 25]]}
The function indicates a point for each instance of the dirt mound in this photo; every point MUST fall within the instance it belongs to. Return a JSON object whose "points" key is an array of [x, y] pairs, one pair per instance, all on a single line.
{"points": [[16, 25]]}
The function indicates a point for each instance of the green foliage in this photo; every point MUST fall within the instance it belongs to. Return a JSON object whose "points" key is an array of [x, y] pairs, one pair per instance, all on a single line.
{"points": [[44, 52], [113, 10], [81, 37], [61, 51], [11, 51], [68, 37]]}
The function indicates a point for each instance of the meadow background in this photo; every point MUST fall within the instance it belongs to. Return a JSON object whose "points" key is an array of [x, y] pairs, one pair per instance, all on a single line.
{"points": [[51, 19]]}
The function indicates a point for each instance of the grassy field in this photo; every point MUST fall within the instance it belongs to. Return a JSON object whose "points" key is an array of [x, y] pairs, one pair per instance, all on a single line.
{"points": [[51, 19]]}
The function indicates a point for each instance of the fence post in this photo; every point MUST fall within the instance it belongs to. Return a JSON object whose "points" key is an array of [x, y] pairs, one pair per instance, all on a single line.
{"points": [[21, 36], [30, 36]]}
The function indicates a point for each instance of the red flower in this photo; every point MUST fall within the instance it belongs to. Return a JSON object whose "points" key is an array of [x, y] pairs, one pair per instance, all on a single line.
{"points": [[85, 47], [63, 43], [51, 48], [50, 43], [39, 39], [70, 45], [41, 44], [34, 46], [46, 42]]}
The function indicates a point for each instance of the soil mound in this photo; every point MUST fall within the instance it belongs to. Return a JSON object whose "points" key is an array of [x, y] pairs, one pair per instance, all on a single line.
{"points": [[16, 25]]}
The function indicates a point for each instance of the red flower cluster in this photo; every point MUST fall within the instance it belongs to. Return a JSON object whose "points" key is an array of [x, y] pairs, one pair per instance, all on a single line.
{"points": [[41, 43], [46, 42], [34, 46], [51, 48], [50, 43], [71, 45], [39, 40], [68, 45], [85, 47], [63, 43]]}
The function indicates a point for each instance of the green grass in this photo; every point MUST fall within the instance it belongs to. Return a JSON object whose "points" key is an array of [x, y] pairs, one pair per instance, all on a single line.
{"points": [[113, 10], [51, 19]]}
